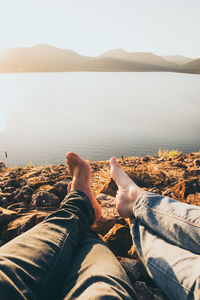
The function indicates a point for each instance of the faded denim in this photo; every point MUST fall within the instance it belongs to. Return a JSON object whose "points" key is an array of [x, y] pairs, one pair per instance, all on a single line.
{"points": [[166, 234], [61, 258]]}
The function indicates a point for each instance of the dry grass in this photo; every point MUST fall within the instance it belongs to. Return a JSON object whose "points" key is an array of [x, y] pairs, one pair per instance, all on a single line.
{"points": [[30, 165], [168, 153]]}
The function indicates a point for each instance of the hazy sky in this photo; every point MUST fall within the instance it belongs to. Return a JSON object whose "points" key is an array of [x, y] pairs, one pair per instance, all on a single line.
{"points": [[91, 27]]}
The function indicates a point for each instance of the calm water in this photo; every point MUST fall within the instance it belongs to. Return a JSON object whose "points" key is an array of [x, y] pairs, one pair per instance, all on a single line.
{"points": [[44, 115]]}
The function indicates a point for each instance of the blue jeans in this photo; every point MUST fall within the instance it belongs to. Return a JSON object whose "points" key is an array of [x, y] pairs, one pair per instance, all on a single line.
{"points": [[166, 234]]}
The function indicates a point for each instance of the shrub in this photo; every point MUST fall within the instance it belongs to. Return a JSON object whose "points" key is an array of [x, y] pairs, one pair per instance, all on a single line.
{"points": [[168, 153], [30, 165]]}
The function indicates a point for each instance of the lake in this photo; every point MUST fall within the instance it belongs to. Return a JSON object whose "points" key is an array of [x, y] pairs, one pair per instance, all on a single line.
{"points": [[98, 115]]}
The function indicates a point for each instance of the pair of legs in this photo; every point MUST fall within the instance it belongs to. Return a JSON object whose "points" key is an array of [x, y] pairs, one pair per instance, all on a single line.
{"points": [[61, 258], [166, 235]]}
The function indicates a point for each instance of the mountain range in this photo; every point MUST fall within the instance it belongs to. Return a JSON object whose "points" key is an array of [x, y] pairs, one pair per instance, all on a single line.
{"points": [[45, 58]]}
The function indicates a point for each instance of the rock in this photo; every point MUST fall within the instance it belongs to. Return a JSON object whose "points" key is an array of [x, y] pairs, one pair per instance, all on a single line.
{"points": [[61, 189], [3, 202], [23, 195], [146, 158], [12, 183], [34, 173], [21, 210], [194, 171], [101, 196], [109, 188], [18, 226], [46, 188], [2, 165], [45, 199], [142, 291], [6, 216], [197, 162], [16, 205], [185, 174], [134, 269], [167, 193], [40, 216], [108, 219], [9, 189], [142, 176], [109, 216], [133, 254], [154, 190], [29, 223], [5, 199], [119, 240], [36, 182], [185, 187], [193, 199], [160, 159], [7, 195]]}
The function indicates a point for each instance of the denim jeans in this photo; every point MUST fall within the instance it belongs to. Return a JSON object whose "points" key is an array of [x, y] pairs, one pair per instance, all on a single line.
{"points": [[166, 234], [61, 258]]}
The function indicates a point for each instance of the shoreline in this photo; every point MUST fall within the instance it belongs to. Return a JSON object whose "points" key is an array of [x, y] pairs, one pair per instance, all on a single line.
{"points": [[183, 165], [158, 153]]}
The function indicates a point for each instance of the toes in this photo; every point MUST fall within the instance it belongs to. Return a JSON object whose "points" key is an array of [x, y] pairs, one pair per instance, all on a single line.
{"points": [[70, 155], [72, 160], [115, 170], [114, 162], [73, 156]]}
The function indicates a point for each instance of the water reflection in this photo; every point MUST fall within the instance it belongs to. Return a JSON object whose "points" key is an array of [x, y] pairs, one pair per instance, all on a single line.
{"points": [[97, 114]]}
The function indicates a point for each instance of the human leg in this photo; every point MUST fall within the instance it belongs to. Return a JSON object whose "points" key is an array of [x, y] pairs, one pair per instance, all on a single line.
{"points": [[166, 234], [172, 261], [95, 273], [34, 265], [174, 221]]}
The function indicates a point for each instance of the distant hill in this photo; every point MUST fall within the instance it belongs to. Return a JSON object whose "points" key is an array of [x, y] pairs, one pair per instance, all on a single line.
{"points": [[45, 58], [110, 64], [192, 67], [116, 65], [146, 58], [40, 58], [178, 59]]}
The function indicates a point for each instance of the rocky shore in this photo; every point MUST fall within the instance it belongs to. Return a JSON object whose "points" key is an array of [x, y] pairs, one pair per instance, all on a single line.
{"points": [[29, 194]]}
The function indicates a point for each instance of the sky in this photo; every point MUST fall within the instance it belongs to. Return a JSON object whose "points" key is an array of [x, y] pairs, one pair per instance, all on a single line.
{"points": [[91, 27]]}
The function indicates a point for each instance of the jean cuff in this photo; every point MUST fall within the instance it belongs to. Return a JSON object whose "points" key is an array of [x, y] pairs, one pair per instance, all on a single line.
{"points": [[78, 198], [145, 199]]}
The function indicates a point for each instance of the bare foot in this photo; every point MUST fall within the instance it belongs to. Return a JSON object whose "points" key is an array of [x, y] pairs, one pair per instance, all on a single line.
{"points": [[81, 179], [128, 192]]}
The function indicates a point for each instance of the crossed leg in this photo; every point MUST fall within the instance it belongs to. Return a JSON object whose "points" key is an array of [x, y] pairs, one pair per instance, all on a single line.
{"points": [[166, 234]]}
